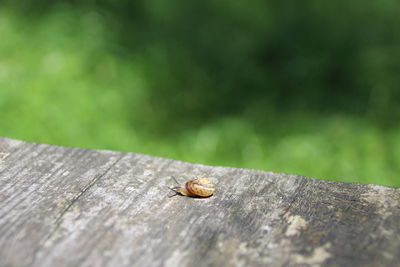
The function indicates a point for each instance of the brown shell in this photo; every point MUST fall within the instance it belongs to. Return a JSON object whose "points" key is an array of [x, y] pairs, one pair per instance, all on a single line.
{"points": [[201, 187]]}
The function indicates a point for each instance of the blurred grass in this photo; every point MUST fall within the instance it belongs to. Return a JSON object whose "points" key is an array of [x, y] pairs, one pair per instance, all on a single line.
{"points": [[60, 83]]}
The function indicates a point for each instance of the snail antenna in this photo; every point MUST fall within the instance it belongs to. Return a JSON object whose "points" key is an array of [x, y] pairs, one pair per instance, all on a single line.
{"points": [[176, 181], [173, 189], [173, 195]]}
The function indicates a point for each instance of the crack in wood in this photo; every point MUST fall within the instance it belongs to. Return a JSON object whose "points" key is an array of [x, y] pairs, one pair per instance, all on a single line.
{"points": [[58, 220], [295, 197]]}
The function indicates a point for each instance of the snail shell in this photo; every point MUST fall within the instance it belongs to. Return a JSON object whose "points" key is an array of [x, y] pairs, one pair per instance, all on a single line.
{"points": [[201, 187]]}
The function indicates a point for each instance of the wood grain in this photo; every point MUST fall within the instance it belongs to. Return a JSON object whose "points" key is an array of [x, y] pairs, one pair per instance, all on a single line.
{"points": [[62, 206]]}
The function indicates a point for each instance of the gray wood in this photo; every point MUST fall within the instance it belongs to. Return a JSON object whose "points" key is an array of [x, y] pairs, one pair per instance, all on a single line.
{"points": [[62, 206]]}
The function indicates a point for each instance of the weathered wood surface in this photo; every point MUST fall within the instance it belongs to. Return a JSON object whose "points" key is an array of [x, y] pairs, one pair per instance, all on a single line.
{"points": [[62, 206]]}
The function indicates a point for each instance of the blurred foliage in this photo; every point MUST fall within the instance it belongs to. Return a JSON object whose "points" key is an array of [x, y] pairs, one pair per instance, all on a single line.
{"points": [[309, 88]]}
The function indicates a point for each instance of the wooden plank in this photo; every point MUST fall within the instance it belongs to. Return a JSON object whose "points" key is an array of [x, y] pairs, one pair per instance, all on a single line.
{"points": [[63, 206]]}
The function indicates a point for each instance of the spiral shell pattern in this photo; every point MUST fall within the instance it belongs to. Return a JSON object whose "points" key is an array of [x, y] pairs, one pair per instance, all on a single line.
{"points": [[201, 187]]}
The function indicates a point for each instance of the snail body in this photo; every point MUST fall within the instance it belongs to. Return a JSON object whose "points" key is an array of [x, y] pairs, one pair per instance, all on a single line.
{"points": [[201, 187]]}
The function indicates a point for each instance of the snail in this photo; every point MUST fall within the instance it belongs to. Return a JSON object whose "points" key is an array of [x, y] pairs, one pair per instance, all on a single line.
{"points": [[200, 187]]}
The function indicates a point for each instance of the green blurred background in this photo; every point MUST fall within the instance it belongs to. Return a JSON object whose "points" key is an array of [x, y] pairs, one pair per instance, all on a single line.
{"points": [[309, 88]]}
